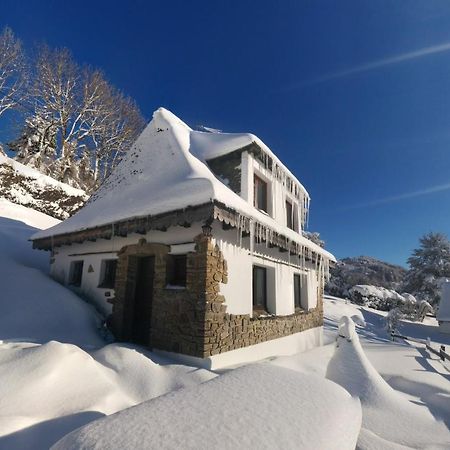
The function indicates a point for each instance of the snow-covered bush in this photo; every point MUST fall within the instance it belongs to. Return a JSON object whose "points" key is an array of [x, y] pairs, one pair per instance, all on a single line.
{"points": [[375, 297], [388, 300], [392, 319]]}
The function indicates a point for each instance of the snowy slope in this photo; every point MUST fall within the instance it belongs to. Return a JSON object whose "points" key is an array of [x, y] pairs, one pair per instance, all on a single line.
{"points": [[28, 187], [33, 307], [164, 171], [387, 415]]}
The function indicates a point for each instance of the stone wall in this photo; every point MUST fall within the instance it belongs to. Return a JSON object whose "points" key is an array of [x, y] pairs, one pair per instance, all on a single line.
{"points": [[224, 332], [194, 321]]}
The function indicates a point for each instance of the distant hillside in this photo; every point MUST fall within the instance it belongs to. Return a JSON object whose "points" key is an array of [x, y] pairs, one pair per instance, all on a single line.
{"points": [[26, 186], [363, 270]]}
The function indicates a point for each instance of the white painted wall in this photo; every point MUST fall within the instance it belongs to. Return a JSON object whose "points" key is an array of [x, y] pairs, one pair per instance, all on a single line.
{"points": [[93, 253], [240, 259], [277, 193], [281, 268]]}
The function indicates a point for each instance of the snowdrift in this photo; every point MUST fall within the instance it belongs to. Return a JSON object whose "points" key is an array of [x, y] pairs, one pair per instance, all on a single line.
{"points": [[387, 415], [257, 406], [33, 307], [51, 389]]}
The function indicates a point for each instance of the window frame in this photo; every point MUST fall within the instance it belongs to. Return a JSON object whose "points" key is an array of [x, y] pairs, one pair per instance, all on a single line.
{"points": [[298, 289], [260, 307], [73, 271], [258, 180], [290, 219], [104, 283]]}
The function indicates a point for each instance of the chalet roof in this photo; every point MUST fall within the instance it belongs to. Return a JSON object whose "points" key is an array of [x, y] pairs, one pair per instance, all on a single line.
{"points": [[166, 171]]}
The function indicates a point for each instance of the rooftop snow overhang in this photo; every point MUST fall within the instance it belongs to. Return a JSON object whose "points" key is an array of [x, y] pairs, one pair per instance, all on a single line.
{"points": [[206, 213]]}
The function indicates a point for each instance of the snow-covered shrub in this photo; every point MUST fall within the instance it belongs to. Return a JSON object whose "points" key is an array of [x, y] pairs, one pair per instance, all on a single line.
{"points": [[375, 297], [392, 319]]}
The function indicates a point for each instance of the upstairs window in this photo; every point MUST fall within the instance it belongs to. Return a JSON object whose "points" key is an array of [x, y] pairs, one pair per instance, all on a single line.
{"points": [[289, 215], [260, 194], [297, 291], [259, 288], [76, 273], [176, 270], [108, 273]]}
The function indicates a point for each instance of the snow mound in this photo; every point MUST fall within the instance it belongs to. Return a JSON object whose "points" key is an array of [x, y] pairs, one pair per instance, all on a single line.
{"points": [[26, 215], [335, 308], [257, 406], [33, 307], [49, 382], [386, 413]]}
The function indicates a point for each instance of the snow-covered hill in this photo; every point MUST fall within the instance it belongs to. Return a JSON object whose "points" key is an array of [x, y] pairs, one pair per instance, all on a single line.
{"points": [[349, 272], [26, 186]]}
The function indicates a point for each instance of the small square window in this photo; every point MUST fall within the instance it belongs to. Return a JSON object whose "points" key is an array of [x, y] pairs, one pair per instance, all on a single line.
{"points": [[108, 273], [260, 194], [176, 270], [76, 273]]}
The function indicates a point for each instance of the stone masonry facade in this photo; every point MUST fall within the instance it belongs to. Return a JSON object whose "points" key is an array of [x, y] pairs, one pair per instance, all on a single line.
{"points": [[194, 321]]}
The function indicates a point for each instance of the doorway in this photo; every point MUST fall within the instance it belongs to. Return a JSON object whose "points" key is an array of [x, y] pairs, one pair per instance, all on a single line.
{"points": [[143, 298]]}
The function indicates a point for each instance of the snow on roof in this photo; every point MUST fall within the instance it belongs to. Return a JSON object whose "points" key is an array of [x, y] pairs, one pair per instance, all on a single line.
{"points": [[166, 170], [257, 406], [39, 177], [444, 304]]}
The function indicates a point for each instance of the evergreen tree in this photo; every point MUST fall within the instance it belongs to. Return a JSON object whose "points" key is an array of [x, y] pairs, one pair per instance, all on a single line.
{"points": [[427, 265]]}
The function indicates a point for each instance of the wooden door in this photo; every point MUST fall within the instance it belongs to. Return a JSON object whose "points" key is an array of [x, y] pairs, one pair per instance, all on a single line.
{"points": [[143, 297]]}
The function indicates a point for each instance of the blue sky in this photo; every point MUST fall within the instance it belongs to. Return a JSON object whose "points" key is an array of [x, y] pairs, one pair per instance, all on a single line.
{"points": [[354, 96]]}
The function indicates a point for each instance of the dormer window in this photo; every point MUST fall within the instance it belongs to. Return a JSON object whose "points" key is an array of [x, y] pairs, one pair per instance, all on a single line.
{"points": [[260, 194]]}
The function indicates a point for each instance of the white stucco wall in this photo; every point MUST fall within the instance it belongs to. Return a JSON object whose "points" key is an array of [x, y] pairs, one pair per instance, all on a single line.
{"points": [[277, 193], [93, 253], [280, 276]]}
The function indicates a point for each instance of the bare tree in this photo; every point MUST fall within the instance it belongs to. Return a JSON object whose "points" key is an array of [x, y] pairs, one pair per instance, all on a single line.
{"points": [[12, 71], [91, 122]]}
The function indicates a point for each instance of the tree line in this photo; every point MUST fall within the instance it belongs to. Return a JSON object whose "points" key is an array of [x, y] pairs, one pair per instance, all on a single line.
{"points": [[76, 125]]}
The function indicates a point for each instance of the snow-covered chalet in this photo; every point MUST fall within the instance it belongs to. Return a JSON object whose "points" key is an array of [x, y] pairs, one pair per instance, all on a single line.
{"points": [[194, 245]]}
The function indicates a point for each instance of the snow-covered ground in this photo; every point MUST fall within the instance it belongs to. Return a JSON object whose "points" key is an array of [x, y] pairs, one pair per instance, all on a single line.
{"points": [[57, 374]]}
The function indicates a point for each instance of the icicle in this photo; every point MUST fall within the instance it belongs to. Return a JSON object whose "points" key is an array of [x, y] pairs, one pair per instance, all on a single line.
{"points": [[252, 237]]}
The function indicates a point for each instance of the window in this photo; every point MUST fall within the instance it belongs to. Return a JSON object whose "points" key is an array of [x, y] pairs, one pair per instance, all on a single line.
{"points": [[289, 215], [259, 288], [176, 270], [108, 273], [260, 194], [76, 273], [297, 291]]}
